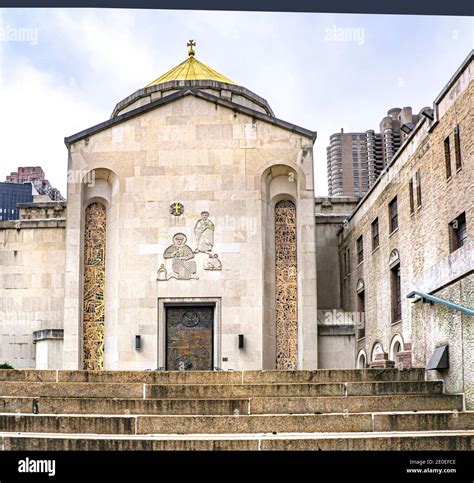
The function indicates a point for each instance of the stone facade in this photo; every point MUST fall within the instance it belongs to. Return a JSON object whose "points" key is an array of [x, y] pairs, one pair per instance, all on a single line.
{"points": [[208, 155], [174, 157], [189, 175], [420, 245], [336, 333], [32, 255]]}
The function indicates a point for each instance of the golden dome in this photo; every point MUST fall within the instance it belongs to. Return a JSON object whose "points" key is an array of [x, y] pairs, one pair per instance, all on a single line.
{"points": [[191, 69]]}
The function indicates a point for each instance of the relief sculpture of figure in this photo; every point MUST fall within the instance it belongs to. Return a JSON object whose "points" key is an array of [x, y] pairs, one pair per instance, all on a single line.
{"points": [[204, 231], [213, 263], [184, 268]]}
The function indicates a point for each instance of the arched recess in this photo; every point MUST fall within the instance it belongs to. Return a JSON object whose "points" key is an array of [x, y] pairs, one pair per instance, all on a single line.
{"points": [[377, 348], [394, 258], [281, 333], [99, 188], [361, 315], [361, 359], [286, 285], [93, 325], [396, 345]]}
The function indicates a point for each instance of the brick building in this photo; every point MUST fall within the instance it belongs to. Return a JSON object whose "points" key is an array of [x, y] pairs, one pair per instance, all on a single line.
{"points": [[413, 232], [36, 176]]}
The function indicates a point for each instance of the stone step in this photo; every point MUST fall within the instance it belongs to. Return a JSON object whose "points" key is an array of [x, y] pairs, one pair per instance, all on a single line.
{"points": [[214, 377], [356, 404], [334, 375], [410, 441], [284, 390], [265, 405], [72, 389], [124, 406], [326, 423], [215, 391]]}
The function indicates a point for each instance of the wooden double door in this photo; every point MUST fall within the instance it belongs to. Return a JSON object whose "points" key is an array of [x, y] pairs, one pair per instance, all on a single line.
{"points": [[189, 337]]}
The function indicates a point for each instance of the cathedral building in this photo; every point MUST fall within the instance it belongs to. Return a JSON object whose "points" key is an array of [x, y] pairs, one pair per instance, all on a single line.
{"points": [[188, 243], [191, 239]]}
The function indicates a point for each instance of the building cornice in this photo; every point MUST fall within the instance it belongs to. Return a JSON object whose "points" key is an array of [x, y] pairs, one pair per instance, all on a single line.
{"points": [[183, 93], [195, 84]]}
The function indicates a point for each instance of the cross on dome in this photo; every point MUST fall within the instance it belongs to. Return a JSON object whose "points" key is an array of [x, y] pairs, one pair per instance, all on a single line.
{"points": [[191, 44]]}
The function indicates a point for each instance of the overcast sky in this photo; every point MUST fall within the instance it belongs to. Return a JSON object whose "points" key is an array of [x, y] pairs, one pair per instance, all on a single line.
{"points": [[320, 71]]}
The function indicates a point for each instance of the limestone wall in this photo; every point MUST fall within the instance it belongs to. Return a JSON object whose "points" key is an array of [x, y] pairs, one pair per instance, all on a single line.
{"points": [[32, 265], [209, 158], [336, 333]]}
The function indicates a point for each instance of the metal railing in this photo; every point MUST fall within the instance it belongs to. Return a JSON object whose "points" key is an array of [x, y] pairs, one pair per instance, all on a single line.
{"points": [[436, 300]]}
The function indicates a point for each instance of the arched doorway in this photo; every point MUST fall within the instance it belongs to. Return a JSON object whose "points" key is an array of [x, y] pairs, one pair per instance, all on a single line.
{"points": [[361, 360], [396, 346]]}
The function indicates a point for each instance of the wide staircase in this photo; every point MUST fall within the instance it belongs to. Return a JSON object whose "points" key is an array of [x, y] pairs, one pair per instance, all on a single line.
{"points": [[372, 409]]}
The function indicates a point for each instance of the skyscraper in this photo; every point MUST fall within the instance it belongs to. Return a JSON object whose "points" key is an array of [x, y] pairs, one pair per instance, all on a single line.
{"points": [[356, 159]]}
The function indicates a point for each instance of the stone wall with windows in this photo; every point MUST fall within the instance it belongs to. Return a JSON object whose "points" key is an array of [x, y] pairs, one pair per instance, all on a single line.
{"points": [[428, 238]]}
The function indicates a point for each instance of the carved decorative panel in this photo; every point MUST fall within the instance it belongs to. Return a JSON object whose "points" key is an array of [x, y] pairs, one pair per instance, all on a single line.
{"points": [[286, 286], [94, 287], [189, 338]]}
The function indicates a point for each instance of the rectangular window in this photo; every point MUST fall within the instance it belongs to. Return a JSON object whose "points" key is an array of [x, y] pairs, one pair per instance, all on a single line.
{"points": [[360, 249], [395, 286], [375, 234], [418, 188], [458, 232], [447, 157], [412, 200], [457, 148], [393, 214], [361, 310]]}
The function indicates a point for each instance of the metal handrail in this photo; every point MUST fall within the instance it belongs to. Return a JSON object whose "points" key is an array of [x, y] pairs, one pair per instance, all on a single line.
{"points": [[437, 300]]}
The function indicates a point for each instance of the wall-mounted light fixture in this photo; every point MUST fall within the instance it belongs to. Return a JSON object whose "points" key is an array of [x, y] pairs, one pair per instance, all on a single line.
{"points": [[440, 359], [241, 341], [138, 342], [428, 113], [407, 128]]}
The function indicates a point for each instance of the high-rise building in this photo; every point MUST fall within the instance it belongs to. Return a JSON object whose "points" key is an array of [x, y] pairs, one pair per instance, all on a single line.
{"points": [[356, 159], [10, 195], [36, 176], [354, 162]]}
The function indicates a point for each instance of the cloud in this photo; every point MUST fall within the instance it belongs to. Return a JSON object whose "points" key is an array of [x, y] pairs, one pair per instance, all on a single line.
{"points": [[37, 113], [87, 60]]}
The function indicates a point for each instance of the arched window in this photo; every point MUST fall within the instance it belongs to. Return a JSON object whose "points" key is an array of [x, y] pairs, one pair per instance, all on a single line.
{"points": [[94, 287], [360, 288], [395, 286], [286, 286]]}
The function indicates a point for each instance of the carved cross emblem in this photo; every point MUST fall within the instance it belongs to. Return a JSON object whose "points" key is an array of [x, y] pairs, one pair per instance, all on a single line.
{"points": [[177, 209]]}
